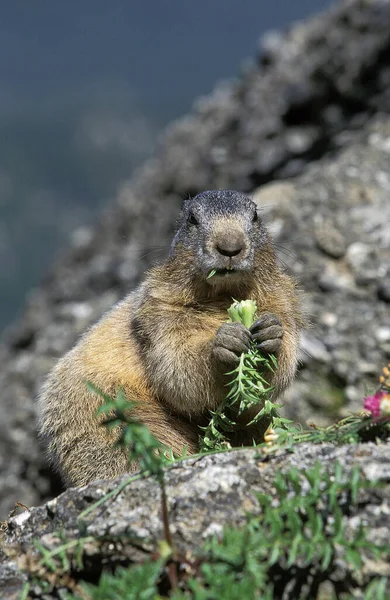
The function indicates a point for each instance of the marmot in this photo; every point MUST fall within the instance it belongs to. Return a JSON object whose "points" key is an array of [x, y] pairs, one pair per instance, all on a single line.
{"points": [[168, 345]]}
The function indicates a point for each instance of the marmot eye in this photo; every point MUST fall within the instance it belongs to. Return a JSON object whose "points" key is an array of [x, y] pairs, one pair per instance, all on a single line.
{"points": [[192, 219], [255, 217]]}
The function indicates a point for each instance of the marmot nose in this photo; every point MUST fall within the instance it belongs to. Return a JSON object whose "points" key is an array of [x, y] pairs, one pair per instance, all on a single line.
{"points": [[230, 252]]}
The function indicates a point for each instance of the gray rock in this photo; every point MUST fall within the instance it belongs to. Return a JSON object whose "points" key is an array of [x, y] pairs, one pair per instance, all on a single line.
{"points": [[383, 290], [12, 580], [329, 238], [204, 494], [313, 349]]}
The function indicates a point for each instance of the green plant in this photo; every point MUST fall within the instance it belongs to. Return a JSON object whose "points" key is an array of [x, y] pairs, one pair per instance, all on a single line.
{"points": [[290, 547], [140, 443], [370, 425], [377, 589], [301, 526], [350, 430], [59, 557], [248, 388], [142, 447], [136, 583]]}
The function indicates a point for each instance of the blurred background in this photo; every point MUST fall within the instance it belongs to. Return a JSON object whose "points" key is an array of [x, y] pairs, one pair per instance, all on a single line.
{"points": [[86, 87]]}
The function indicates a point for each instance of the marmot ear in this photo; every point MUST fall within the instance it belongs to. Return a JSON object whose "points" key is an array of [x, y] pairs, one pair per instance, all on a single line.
{"points": [[181, 215], [183, 211]]}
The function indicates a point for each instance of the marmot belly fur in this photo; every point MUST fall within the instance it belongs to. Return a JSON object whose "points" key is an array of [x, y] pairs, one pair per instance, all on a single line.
{"points": [[167, 344]]}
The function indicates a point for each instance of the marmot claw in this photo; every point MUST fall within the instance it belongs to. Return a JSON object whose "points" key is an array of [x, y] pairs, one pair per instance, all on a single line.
{"points": [[267, 333]]}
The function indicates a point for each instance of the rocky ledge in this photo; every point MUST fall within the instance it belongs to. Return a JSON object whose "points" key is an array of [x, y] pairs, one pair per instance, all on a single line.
{"points": [[205, 494]]}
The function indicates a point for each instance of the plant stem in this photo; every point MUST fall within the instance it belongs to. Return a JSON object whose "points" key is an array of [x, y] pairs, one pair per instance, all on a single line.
{"points": [[172, 570], [165, 513]]}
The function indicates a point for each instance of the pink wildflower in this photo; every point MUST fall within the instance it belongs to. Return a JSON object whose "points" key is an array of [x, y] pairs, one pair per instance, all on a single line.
{"points": [[378, 404]]}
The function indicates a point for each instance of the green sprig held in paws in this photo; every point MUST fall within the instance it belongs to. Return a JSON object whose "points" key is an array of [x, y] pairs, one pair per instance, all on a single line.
{"points": [[248, 387], [243, 311]]}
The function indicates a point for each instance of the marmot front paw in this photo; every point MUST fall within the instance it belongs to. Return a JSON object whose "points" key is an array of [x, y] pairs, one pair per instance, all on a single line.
{"points": [[267, 333], [231, 340]]}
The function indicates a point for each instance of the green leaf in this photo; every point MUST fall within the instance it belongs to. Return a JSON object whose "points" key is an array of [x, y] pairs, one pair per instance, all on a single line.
{"points": [[327, 555], [353, 556], [295, 546]]}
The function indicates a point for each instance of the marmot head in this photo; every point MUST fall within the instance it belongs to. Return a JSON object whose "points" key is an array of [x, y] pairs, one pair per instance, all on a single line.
{"points": [[223, 232]]}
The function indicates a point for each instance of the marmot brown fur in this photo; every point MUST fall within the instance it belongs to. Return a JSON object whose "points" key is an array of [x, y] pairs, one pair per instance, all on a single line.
{"points": [[167, 344]]}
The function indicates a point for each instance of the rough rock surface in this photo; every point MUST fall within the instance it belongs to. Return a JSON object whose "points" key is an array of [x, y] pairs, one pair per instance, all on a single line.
{"points": [[204, 494], [315, 92], [339, 213]]}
